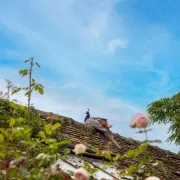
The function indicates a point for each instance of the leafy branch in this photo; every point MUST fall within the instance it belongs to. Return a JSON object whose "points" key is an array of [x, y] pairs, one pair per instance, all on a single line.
{"points": [[10, 88], [32, 86]]}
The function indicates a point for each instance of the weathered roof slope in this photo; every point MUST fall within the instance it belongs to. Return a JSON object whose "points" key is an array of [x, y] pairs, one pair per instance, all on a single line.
{"points": [[80, 133]]}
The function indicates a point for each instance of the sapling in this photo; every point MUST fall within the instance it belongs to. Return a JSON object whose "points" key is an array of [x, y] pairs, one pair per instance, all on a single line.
{"points": [[10, 88], [32, 84], [3, 95]]}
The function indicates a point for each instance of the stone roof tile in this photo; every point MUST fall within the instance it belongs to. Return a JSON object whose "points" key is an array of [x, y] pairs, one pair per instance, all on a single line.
{"points": [[80, 133]]}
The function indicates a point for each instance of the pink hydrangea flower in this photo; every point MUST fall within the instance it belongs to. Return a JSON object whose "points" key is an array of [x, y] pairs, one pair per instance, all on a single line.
{"points": [[81, 174], [152, 178], [79, 149], [139, 120]]}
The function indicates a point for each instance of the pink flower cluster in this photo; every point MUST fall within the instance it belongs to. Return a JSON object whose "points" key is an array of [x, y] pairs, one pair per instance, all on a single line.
{"points": [[79, 149], [140, 121], [81, 174]]}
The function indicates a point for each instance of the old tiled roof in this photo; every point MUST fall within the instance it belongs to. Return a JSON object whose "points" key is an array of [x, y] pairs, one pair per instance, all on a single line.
{"points": [[80, 133]]}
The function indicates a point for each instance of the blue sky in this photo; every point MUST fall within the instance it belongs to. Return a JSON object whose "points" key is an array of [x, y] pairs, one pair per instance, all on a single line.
{"points": [[112, 56]]}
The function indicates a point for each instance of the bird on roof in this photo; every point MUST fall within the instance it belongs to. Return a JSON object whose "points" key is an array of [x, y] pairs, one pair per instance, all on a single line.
{"points": [[87, 115]]}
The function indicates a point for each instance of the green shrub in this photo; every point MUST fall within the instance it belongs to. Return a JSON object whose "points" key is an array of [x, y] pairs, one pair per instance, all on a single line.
{"points": [[9, 110]]}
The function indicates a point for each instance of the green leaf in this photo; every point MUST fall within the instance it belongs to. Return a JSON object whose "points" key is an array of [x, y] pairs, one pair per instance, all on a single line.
{"points": [[20, 119], [1, 138], [2, 155], [12, 173], [56, 126], [131, 170], [41, 85], [27, 93], [23, 72], [36, 87], [47, 129], [22, 108], [16, 91], [155, 141], [13, 105], [62, 143], [117, 157], [40, 90], [33, 84], [42, 134], [12, 122]]}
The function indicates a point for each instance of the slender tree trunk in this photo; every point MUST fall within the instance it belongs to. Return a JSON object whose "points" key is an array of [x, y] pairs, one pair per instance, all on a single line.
{"points": [[30, 82]]}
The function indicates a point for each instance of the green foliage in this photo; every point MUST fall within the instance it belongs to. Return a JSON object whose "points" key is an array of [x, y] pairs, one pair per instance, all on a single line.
{"points": [[167, 111], [20, 151], [23, 72], [2, 94], [16, 91], [90, 169], [12, 113], [32, 86], [10, 88], [1, 138]]}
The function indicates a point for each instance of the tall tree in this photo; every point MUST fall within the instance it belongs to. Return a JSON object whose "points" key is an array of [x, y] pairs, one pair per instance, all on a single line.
{"points": [[167, 111]]}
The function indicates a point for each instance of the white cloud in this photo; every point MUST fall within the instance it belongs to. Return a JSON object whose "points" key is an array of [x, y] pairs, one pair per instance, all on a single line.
{"points": [[99, 20], [117, 43]]}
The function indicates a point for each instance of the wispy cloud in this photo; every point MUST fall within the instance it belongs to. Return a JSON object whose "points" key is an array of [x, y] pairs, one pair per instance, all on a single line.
{"points": [[115, 43]]}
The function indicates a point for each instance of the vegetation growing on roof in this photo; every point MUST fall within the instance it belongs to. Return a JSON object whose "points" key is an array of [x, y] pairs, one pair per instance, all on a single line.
{"points": [[30, 148], [11, 111], [26, 151]]}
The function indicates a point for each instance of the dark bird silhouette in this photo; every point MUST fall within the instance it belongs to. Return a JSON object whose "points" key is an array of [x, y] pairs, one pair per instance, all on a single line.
{"points": [[87, 115]]}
